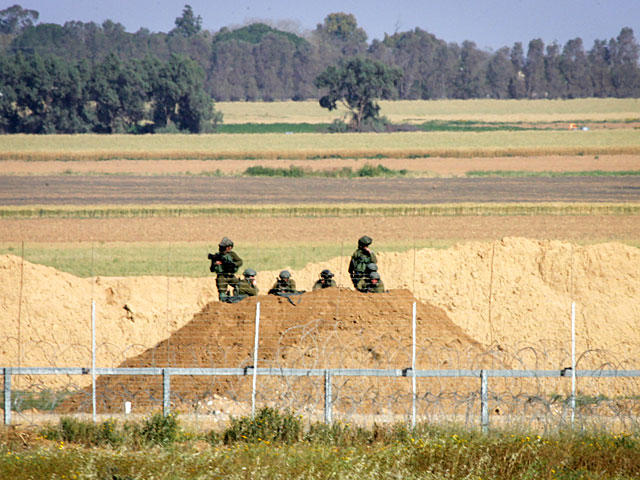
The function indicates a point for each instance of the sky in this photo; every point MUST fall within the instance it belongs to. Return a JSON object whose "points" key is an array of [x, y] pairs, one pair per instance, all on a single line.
{"points": [[491, 24]]}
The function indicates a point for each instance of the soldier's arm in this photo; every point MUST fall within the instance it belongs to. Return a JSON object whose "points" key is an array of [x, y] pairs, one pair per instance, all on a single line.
{"points": [[235, 259]]}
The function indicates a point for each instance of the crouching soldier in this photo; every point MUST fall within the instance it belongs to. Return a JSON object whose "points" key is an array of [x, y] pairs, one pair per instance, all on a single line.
{"points": [[374, 284], [284, 284], [247, 286], [361, 286], [325, 280]]}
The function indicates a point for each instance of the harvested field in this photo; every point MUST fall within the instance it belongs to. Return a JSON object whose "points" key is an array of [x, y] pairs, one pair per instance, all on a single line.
{"points": [[581, 229], [72, 190], [434, 167]]}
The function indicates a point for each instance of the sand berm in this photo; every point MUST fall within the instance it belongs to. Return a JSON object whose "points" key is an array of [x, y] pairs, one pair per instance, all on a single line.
{"points": [[512, 296]]}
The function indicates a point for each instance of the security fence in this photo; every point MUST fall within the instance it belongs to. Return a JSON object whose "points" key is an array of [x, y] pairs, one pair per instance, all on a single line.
{"points": [[330, 397]]}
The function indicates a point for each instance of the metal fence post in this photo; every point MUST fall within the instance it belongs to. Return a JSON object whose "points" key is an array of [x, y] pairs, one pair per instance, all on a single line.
{"points": [[484, 401], [166, 392], [328, 400], [7, 396]]}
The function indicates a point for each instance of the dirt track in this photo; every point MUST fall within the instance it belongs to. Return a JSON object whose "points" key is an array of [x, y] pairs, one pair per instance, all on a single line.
{"points": [[65, 190]]}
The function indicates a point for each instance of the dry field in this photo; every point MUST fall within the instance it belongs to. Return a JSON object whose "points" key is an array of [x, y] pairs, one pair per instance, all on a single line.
{"points": [[433, 167]]}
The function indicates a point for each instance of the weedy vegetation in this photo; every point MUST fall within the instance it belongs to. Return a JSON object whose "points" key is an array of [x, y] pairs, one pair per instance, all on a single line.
{"points": [[277, 444]]}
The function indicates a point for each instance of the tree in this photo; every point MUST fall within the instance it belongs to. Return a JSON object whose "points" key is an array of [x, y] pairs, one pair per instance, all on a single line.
{"points": [[357, 84], [599, 59], [556, 84], [179, 97], [340, 36], [624, 64], [499, 73], [15, 19], [534, 70], [120, 94], [187, 25], [470, 81], [517, 86], [573, 63]]}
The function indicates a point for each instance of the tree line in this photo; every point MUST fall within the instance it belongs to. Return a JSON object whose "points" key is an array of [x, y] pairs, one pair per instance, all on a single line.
{"points": [[163, 79]]}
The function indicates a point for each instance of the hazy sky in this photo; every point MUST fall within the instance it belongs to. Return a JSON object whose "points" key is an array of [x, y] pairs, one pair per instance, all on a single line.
{"points": [[491, 24]]}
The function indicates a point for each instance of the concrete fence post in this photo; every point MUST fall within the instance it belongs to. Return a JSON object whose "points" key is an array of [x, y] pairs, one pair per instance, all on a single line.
{"points": [[166, 392], [484, 401], [7, 396], [328, 398]]}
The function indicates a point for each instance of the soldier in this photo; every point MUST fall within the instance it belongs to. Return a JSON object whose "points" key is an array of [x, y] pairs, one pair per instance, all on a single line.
{"points": [[284, 284], [225, 264], [325, 280], [374, 284], [362, 283], [362, 257], [247, 286]]}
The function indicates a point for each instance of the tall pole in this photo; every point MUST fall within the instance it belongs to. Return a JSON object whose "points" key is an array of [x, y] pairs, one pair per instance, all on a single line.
{"points": [[255, 361], [573, 361], [413, 367], [93, 359]]}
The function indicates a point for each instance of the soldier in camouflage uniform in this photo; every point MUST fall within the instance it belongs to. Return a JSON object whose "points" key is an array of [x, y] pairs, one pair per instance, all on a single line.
{"points": [[362, 257], [225, 264], [325, 280], [362, 283], [374, 284], [247, 285], [284, 284]]}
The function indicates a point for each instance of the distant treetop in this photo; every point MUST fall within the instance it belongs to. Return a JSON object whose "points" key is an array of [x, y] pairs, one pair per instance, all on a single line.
{"points": [[254, 34]]}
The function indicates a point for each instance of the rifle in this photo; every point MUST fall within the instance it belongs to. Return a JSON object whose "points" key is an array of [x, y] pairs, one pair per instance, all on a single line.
{"points": [[225, 266]]}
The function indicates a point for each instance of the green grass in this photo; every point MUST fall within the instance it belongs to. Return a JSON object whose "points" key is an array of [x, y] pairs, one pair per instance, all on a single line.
{"points": [[275, 445], [286, 128], [187, 259]]}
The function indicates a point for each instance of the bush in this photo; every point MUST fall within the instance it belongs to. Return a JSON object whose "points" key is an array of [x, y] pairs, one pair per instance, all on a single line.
{"points": [[161, 430], [268, 425], [86, 432]]}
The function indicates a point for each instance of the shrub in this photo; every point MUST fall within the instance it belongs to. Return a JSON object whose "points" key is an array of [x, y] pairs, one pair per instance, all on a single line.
{"points": [[86, 432], [268, 425], [161, 430]]}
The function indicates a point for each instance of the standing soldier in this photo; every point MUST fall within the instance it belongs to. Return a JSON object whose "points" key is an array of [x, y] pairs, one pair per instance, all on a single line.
{"points": [[362, 257], [325, 280], [225, 264], [284, 284], [247, 286]]}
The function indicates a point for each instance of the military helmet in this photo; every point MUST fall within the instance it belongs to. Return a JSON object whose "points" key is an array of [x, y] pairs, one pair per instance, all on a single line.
{"points": [[285, 274], [225, 242], [326, 273], [372, 267], [374, 276], [249, 272], [364, 241]]}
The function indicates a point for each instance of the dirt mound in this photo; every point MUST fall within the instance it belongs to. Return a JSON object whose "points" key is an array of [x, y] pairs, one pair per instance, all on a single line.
{"points": [[513, 295], [46, 316], [332, 328]]}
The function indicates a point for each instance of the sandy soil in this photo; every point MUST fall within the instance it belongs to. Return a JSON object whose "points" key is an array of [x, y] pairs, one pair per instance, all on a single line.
{"points": [[511, 296], [428, 166]]}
